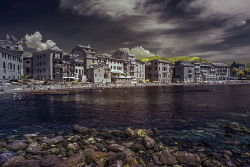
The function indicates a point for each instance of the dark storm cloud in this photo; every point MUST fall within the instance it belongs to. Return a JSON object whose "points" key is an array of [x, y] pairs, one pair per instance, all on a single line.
{"points": [[216, 30]]}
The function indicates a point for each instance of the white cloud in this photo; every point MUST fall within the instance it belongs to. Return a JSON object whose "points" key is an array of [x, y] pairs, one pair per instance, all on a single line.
{"points": [[140, 16], [227, 55], [138, 51], [34, 41], [238, 9], [109, 8]]}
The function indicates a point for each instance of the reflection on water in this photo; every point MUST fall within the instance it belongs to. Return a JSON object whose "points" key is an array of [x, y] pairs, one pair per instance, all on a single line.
{"points": [[177, 108]]}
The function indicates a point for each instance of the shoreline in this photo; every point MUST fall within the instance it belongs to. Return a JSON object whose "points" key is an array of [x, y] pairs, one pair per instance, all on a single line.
{"points": [[50, 89], [129, 148]]}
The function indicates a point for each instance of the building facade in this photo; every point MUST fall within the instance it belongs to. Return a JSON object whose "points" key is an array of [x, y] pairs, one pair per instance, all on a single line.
{"points": [[11, 60], [158, 71], [48, 65], [184, 71], [99, 74], [221, 70], [28, 66]]}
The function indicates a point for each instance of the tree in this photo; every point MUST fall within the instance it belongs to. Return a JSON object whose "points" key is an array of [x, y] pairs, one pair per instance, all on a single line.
{"points": [[245, 70], [147, 80], [235, 71], [241, 74]]}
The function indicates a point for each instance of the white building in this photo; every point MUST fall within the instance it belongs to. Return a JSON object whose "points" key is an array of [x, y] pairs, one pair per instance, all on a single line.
{"points": [[48, 65], [11, 60]]}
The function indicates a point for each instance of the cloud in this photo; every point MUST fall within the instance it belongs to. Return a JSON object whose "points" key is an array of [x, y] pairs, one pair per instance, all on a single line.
{"points": [[138, 51], [238, 10], [112, 8], [173, 28], [227, 55], [34, 41]]}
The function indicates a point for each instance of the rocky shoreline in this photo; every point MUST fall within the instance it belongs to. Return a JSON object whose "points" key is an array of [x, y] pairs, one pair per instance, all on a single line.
{"points": [[116, 148]]}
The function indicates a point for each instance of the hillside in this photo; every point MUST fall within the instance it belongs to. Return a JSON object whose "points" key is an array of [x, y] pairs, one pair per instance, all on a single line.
{"points": [[174, 59]]}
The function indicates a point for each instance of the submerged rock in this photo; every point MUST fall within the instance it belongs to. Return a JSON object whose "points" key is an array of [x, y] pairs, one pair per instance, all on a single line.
{"points": [[98, 158], [74, 161], [16, 146], [58, 139], [14, 161], [6, 156], [49, 161], [130, 132], [234, 127], [80, 129], [148, 142], [34, 148], [167, 158], [116, 148], [189, 158]]}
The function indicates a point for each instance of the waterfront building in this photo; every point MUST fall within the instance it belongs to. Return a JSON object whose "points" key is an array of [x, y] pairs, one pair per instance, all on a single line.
{"points": [[74, 68], [158, 71], [221, 70], [184, 71], [99, 73], [197, 70], [11, 59], [87, 54], [207, 72], [139, 71], [48, 65], [28, 66]]}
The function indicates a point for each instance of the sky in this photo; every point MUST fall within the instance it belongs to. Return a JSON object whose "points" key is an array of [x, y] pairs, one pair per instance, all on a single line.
{"points": [[218, 30]]}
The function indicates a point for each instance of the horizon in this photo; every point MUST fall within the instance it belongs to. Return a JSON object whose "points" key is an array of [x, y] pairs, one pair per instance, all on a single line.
{"points": [[219, 31]]}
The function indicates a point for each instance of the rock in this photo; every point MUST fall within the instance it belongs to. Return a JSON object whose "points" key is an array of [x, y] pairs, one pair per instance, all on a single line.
{"points": [[16, 146], [58, 139], [127, 144], [54, 151], [74, 161], [141, 133], [167, 158], [137, 147], [155, 131], [80, 129], [47, 140], [116, 148], [226, 157], [98, 158], [73, 146], [189, 158], [100, 146], [3, 144], [87, 152], [117, 159], [34, 148], [31, 163], [91, 147], [28, 136], [234, 127], [6, 156], [230, 164], [14, 162], [148, 142], [156, 160], [136, 165], [49, 161], [130, 132]]}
